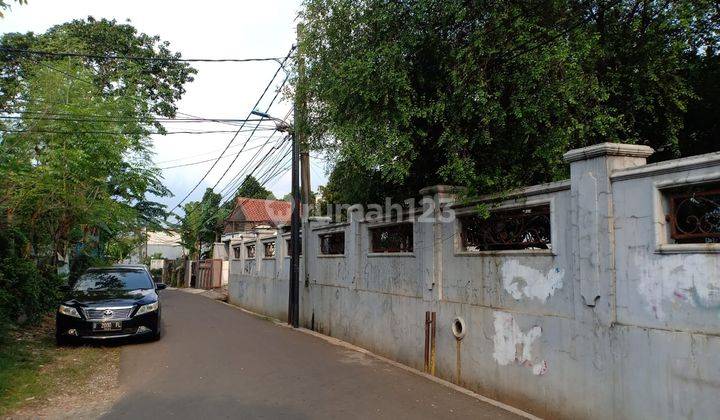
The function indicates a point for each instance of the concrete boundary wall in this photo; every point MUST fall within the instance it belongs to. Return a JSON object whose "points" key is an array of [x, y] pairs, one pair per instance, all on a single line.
{"points": [[615, 320]]}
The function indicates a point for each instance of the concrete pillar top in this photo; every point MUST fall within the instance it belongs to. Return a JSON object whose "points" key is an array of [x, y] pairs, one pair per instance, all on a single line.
{"points": [[442, 189], [608, 149]]}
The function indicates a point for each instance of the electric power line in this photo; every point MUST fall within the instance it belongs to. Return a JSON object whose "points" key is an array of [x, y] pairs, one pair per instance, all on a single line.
{"points": [[98, 118], [137, 58], [236, 134], [238, 177], [207, 160], [209, 153], [91, 83], [137, 133]]}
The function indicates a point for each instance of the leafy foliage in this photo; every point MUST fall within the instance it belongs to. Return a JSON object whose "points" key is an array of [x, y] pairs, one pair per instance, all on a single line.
{"points": [[74, 180], [202, 222], [4, 5], [489, 94], [75, 157], [156, 85]]}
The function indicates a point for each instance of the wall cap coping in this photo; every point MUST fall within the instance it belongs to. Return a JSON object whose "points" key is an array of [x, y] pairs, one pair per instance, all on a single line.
{"points": [[442, 189], [331, 226], [608, 149], [671, 166], [523, 192]]}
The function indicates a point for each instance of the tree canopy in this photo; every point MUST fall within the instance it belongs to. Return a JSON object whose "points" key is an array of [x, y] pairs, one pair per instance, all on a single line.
{"points": [[251, 188], [76, 173], [202, 222], [489, 95]]}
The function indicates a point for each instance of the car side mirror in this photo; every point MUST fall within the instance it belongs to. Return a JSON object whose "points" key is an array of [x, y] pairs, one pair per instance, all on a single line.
{"points": [[160, 286]]}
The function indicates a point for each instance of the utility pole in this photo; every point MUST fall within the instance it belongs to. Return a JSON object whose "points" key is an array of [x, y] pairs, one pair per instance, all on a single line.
{"points": [[294, 289], [294, 281], [301, 136]]}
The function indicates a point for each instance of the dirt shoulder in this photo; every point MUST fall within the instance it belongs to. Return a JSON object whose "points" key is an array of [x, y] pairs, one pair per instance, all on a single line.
{"points": [[40, 380]]}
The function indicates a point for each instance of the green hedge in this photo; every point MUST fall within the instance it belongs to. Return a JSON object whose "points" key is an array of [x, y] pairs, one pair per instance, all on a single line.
{"points": [[27, 292]]}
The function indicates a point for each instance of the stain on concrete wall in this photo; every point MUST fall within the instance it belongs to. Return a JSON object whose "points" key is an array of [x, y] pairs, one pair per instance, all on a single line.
{"points": [[678, 279], [513, 346], [522, 281]]}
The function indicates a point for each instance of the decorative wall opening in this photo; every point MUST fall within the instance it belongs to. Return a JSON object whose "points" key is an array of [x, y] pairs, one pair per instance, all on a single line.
{"points": [[269, 249], [694, 216], [332, 243], [237, 252], [525, 228], [392, 238], [250, 250]]}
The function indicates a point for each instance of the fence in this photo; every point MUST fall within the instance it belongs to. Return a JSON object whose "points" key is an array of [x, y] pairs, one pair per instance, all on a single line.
{"points": [[209, 274], [596, 297]]}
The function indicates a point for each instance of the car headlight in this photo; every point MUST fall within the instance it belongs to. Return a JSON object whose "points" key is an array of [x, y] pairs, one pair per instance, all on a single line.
{"points": [[148, 308], [69, 311]]}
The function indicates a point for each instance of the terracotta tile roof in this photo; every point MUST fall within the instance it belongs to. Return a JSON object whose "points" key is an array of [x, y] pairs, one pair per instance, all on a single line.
{"points": [[274, 212]]}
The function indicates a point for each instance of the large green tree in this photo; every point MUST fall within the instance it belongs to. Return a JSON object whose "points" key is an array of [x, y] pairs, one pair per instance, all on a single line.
{"points": [[76, 178], [489, 94], [157, 82], [75, 149], [202, 222]]}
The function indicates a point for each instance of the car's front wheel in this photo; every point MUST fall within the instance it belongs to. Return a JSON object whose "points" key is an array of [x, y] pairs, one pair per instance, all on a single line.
{"points": [[157, 332]]}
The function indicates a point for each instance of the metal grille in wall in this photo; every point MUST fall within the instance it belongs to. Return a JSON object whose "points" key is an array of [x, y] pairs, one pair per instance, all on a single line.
{"points": [[695, 216], [269, 249], [525, 228], [392, 238], [332, 243]]}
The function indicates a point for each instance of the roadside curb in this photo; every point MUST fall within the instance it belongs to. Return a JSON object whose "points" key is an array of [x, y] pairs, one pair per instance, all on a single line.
{"points": [[344, 344]]}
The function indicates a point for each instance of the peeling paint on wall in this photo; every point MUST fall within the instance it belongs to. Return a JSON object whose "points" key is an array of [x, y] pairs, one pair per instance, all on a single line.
{"points": [[693, 279], [514, 346], [523, 281]]}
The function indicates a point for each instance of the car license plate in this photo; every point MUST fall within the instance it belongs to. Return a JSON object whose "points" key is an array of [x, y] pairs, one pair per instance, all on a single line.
{"points": [[107, 326]]}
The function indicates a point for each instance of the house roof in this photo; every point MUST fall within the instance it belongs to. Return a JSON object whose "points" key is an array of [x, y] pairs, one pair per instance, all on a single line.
{"points": [[256, 210]]}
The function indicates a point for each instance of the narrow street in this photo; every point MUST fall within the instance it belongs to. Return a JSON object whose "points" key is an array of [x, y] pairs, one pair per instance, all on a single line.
{"points": [[215, 361]]}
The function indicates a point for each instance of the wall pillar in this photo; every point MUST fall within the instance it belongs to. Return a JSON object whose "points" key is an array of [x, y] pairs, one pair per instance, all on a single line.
{"points": [[592, 220], [431, 231]]}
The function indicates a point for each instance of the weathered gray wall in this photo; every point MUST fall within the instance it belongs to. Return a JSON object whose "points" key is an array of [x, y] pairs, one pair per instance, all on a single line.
{"points": [[613, 322]]}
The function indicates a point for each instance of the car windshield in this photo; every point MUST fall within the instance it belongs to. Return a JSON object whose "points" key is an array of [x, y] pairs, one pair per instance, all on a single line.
{"points": [[100, 280]]}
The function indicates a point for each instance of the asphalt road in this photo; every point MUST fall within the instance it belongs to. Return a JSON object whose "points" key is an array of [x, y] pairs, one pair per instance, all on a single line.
{"points": [[215, 361]]}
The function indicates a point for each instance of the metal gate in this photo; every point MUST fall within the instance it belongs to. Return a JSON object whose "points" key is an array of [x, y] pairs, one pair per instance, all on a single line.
{"points": [[209, 274]]}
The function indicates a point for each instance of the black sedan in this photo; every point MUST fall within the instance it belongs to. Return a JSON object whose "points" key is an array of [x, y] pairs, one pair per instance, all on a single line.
{"points": [[111, 302]]}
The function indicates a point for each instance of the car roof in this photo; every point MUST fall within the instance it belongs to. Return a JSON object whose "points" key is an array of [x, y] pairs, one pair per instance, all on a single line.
{"points": [[119, 268], [142, 266]]}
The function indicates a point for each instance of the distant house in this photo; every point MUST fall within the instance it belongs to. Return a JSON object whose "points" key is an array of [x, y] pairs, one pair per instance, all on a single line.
{"points": [[165, 244], [250, 213]]}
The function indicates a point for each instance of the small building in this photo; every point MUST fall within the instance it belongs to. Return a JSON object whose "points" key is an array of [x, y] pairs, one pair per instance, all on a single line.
{"points": [[158, 245], [250, 213]]}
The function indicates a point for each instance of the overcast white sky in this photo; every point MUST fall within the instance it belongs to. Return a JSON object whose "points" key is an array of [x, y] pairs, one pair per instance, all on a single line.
{"points": [[209, 29]]}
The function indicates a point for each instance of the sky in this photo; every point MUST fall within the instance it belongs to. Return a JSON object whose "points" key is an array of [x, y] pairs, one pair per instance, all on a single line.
{"points": [[210, 29]]}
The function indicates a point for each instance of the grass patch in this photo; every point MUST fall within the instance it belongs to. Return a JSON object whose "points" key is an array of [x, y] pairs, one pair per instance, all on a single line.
{"points": [[33, 370]]}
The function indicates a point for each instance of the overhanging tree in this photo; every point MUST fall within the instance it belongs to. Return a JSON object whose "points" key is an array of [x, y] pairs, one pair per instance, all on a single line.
{"points": [[76, 168], [490, 94]]}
